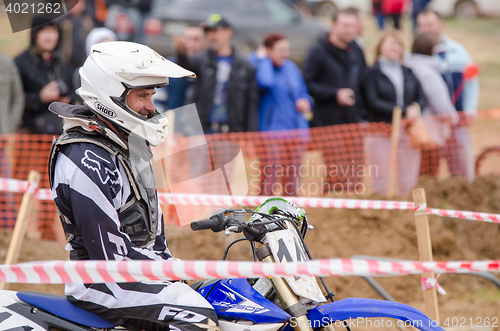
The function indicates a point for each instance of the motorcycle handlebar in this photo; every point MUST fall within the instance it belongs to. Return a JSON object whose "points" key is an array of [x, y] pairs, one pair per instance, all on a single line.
{"points": [[216, 223], [205, 224]]}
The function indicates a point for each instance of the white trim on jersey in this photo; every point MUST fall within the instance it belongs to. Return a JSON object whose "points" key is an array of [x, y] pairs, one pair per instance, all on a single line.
{"points": [[68, 173], [176, 293]]}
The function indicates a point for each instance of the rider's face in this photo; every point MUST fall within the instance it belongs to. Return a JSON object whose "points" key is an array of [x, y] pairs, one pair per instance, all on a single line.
{"points": [[140, 100]]}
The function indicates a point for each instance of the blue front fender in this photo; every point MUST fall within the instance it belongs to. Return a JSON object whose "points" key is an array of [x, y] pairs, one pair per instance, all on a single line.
{"points": [[354, 308]]}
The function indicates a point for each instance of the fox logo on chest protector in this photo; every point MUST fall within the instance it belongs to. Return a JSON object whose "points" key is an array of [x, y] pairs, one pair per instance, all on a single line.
{"points": [[103, 169]]}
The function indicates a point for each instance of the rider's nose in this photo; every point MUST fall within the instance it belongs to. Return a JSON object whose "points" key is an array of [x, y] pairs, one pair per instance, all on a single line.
{"points": [[149, 106]]}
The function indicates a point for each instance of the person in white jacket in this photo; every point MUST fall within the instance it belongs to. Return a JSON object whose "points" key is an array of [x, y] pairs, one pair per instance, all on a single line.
{"points": [[440, 114], [454, 59]]}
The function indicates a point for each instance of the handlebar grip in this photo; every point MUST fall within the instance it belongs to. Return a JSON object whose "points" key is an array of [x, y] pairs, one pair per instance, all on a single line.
{"points": [[205, 224], [216, 223]]}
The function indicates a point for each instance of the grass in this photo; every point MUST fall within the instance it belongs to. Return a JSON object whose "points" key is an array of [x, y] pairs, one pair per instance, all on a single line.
{"points": [[488, 294]]}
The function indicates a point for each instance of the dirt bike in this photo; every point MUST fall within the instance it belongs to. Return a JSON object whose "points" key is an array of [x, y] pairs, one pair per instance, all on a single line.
{"points": [[278, 227]]}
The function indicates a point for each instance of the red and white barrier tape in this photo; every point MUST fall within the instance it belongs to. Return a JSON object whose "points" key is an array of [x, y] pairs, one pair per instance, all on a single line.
{"points": [[32, 187], [15, 185], [62, 272], [228, 200], [466, 215], [23, 186], [428, 283], [254, 201]]}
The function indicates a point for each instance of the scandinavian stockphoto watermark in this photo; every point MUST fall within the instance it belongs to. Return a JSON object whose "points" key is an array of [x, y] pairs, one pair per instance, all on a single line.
{"points": [[348, 178]]}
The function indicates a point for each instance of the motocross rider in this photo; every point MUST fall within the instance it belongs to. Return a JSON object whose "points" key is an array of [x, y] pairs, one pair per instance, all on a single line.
{"points": [[103, 185]]}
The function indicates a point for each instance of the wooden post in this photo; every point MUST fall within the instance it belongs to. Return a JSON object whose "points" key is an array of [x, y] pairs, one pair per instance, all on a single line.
{"points": [[22, 221], [425, 250], [396, 128]]}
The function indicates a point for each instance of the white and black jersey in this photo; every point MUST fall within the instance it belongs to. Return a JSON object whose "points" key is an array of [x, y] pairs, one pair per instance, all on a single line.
{"points": [[89, 187]]}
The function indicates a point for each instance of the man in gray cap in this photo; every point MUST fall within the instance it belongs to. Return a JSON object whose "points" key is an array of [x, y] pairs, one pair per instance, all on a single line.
{"points": [[225, 93]]}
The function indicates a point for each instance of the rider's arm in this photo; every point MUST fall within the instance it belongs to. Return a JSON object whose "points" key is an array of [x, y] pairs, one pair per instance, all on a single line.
{"points": [[89, 188]]}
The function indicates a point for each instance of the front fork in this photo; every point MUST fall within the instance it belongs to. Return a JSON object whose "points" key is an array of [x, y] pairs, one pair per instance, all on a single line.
{"points": [[287, 297]]}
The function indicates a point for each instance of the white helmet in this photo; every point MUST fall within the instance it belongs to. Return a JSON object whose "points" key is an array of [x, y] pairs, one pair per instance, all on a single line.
{"points": [[112, 70]]}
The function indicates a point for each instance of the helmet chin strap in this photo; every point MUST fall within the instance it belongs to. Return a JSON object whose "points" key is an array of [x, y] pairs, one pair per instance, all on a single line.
{"points": [[116, 129]]}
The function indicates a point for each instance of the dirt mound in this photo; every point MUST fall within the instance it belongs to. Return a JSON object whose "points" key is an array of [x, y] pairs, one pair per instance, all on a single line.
{"points": [[385, 233]]}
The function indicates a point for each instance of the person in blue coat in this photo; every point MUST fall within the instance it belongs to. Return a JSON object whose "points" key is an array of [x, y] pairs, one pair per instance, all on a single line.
{"points": [[284, 114]]}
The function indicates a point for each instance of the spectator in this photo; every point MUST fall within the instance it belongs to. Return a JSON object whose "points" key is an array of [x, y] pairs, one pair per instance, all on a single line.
{"points": [[389, 84], [377, 12], [126, 18], [426, 69], [332, 73], [99, 35], [358, 44], [179, 91], [11, 112], [394, 10], [75, 26], [417, 7], [11, 96], [96, 36], [388, 8], [284, 105], [454, 59], [45, 76], [225, 93], [97, 9]]}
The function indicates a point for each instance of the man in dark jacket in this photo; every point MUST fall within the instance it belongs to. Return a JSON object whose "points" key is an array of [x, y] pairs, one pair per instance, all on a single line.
{"points": [[225, 93], [45, 76], [332, 72]]}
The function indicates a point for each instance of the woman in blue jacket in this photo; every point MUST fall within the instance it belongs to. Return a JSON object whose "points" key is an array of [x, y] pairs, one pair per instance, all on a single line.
{"points": [[284, 111]]}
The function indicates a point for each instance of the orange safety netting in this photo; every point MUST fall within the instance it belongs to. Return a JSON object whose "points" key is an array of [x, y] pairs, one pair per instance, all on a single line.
{"points": [[18, 155], [342, 159]]}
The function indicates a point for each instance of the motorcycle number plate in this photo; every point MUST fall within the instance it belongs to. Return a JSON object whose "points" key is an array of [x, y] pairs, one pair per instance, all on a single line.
{"points": [[286, 246]]}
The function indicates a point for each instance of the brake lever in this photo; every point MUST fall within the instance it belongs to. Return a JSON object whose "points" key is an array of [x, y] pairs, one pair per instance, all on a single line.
{"points": [[232, 228]]}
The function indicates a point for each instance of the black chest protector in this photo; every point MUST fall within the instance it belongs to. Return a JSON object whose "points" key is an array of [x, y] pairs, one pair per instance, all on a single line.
{"points": [[139, 216]]}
